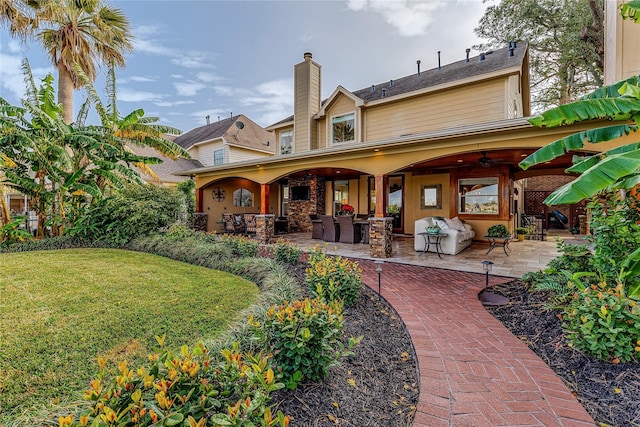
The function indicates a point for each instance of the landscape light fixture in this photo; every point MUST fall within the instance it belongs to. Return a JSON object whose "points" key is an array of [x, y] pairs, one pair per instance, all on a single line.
{"points": [[486, 297], [378, 264]]}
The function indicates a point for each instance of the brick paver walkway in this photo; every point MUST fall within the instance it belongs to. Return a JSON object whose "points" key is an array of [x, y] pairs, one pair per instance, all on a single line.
{"points": [[473, 371]]}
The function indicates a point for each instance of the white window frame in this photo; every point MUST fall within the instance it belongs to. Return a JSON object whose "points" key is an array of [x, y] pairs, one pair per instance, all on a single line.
{"points": [[340, 119], [289, 134], [215, 152], [473, 198]]}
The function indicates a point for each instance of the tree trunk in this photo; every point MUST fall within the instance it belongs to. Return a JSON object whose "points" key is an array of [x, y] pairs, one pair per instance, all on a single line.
{"points": [[65, 93], [6, 215]]}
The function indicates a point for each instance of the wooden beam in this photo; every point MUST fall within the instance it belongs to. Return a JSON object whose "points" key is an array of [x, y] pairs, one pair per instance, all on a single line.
{"points": [[264, 198]]}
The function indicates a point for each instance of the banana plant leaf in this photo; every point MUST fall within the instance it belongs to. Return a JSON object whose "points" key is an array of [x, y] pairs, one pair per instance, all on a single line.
{"points": [[630, 270], [614, 90], [575, 142], [631, 10], [599, 177], [589, 109], [582, 165]]}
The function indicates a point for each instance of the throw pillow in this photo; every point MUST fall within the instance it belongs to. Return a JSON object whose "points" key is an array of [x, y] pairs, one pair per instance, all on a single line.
{"points": [[458, 224], [441, 223]]}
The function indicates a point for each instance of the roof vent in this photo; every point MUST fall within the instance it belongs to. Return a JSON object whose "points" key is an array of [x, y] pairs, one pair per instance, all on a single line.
{"points": [[391, 83], [308, 55], [510, 52], [418, 63], [482, 56], [384, 92], [439, 60], [467, 50], [207, 118], [373, 88]]}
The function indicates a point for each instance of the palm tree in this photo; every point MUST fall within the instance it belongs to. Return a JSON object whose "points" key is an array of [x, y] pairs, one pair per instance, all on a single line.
{"points": [[83, 32]]}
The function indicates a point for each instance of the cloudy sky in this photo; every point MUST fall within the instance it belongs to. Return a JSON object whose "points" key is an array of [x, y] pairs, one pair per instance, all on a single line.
{"points": [[199, 58]]}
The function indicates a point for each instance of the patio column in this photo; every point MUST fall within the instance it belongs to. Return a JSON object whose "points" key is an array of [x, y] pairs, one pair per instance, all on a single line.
{"points": [[381, 200], [380, 236], [264, 198], [199, 194], [200, 221], [265, 228]]}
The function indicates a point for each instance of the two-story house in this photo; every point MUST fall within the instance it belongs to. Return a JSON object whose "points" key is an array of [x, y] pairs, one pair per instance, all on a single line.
{"points": [[440, 142], [234, 139]]}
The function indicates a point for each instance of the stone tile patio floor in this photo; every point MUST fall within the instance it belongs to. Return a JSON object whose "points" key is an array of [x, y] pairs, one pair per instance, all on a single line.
{"points": [[473, 371]]}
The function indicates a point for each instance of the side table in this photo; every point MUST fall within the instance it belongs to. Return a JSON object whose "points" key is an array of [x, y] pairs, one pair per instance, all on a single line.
{"points": [[432, 239], [504, 240]]}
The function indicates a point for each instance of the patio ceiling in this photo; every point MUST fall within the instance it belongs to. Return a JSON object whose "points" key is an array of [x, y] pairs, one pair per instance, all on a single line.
{"points": [[471, 160]]}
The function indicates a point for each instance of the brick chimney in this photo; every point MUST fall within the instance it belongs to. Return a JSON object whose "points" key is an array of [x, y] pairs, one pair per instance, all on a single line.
{"points": [[306, 103]]}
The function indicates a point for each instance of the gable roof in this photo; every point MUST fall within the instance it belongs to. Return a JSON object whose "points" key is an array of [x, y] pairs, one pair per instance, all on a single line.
{"points": [[494, 61], [166, 170], [238, 130]]}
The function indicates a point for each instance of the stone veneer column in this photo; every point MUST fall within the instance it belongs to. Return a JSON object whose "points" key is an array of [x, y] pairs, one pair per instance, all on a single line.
{"points": [[265, 228], [380, 237], [200, 221]]}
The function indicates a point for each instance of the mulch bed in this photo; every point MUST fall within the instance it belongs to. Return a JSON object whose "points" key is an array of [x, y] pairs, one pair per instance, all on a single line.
{"points": [[377, 387], [610, 393]]}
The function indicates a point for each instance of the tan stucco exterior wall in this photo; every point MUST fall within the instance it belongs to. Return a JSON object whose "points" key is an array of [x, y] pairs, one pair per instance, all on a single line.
{"points": [[622, 41]]}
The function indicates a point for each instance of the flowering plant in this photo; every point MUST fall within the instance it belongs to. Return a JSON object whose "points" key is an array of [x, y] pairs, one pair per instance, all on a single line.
{"points": [[346, 210]]}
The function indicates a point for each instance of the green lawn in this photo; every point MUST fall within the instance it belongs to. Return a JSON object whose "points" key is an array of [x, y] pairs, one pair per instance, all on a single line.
{"points": [[61, 309]]}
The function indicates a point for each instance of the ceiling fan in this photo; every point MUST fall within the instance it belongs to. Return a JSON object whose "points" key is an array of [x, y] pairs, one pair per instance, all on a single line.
{"points": [[485, 161]]}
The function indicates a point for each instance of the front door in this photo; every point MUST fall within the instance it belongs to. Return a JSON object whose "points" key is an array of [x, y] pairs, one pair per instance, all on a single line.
{"points": [[395, 202]]}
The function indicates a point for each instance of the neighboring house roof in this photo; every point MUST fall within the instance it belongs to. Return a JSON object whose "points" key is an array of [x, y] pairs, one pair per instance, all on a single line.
{"points": [[165, 170], [238, 130], [494, 61]]}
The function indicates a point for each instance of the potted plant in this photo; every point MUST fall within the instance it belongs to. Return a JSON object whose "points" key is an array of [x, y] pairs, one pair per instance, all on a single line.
{"points": [[433, 229], [346, 210], [498, 230], [521, 232]]}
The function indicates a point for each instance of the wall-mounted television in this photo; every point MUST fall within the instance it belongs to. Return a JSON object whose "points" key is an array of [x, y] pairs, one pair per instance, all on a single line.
{"points": [[300, 193]]}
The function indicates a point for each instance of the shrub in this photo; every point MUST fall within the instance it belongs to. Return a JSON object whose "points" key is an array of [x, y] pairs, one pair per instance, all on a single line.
{"points": [[304, 337], [50, 243], [241, 245], [554, 278], [189, 388], [602, 322], [616, 232], [135, 211], [190, 250], [333, 278], [286, 253], [13, 233]]}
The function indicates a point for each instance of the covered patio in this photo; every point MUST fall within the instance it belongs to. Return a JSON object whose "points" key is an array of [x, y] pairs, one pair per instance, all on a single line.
{"points": [[525, 256]]}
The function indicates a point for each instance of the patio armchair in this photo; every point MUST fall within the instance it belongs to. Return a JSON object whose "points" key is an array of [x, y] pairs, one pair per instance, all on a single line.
{"points": [[331, 229], [250, 221], [349, 232], [316, 224], [233, 223]]}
